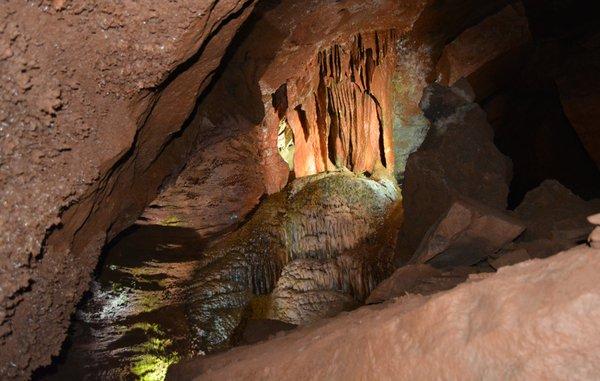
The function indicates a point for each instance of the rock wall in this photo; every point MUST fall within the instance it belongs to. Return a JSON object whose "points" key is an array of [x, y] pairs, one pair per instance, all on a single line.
{"points": [[93, 119]]}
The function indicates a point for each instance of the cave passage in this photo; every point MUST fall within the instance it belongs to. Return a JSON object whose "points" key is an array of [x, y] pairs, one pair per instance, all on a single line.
{"points": [[294, 175]]}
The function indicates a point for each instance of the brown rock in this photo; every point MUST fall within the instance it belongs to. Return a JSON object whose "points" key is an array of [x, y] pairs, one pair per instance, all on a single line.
{"points": [[489, 53], [467, 233], [579, 88], [419, 279], [509, 258], [553, 212], [535, 321], [310, 290], [457, 159], [257, 330]]}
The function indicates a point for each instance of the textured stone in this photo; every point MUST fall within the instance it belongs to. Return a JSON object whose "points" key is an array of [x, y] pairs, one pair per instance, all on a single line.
{"points": [[553, 212], [535, 320], [317, 217], [419, 279], [467, 233], [457, 159], [310, 290]]}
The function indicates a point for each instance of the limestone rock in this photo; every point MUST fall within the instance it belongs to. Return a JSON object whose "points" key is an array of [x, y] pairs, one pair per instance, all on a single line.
{"points": [[553, 212], [307, 226], [536, 320], [467, 233], [310, 290], [458, 158], [210, 195]]}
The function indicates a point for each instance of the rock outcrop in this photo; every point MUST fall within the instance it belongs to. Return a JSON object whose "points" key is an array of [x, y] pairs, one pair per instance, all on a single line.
{"points": [[466, 234], [457, 159], [535, 320], [298, 243]]}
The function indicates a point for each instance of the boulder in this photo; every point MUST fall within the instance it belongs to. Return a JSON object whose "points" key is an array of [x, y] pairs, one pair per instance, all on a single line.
{"points": [[466, 234], [488, 54], [419, 279], [537, 320], [309, 226], [553, 212], [458, 158]]}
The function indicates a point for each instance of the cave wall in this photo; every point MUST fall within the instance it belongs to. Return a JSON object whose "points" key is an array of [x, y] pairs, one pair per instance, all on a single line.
{"points": [[87, 139]]}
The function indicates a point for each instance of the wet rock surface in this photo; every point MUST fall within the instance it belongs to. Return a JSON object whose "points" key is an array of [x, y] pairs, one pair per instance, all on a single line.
{"points": [[448, 334], [132, 325], [307, 227]]}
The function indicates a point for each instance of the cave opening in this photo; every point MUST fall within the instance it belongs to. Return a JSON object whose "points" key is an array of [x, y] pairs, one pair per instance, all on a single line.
{"points": [[311, 172]]}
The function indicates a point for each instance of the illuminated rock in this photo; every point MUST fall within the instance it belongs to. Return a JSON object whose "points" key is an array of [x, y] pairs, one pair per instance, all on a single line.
{"points": [[457, 159], [314, 218], [535, 320]]}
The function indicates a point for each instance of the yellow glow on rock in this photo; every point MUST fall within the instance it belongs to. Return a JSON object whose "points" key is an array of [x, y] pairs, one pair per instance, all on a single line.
{"points": [[154, 357], [285, 143]]}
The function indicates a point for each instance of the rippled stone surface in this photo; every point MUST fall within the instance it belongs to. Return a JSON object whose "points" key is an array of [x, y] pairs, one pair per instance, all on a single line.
{"points": [[308, 226], [132, 325]]}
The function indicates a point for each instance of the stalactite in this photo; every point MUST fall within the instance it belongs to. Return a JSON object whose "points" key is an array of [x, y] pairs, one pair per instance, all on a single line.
{"points": [[350, 103]]}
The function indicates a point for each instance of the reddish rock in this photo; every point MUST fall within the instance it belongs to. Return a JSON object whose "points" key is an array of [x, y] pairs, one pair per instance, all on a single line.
{"points": [[509, 258], [535, 320], [257, 330], [553, 212], [419, 279], [594, 238], [467, 233], [489, 53], [457, 159], [210, 194]]}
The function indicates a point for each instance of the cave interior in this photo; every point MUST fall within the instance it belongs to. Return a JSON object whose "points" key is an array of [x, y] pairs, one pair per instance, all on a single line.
{"points": [[282, 189]]}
